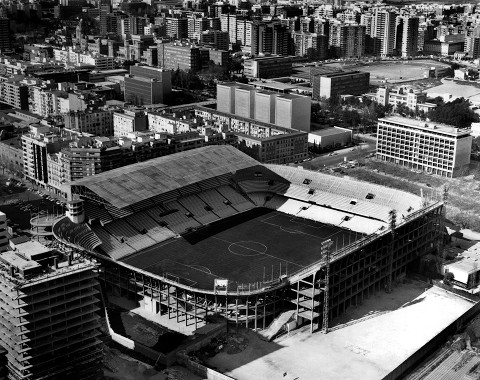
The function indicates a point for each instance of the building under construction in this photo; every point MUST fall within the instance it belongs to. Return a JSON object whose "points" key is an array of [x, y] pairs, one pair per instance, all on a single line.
{"points": [[48, 317], [211, 232]]}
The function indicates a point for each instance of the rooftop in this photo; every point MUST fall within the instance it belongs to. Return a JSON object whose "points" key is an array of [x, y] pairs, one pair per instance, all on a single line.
{"points": [[372, 346], [133, 183], [427, 126], [330, 131]]}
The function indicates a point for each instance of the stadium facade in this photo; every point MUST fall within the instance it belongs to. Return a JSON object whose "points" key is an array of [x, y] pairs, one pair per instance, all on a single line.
{"points": [[211, 232]]}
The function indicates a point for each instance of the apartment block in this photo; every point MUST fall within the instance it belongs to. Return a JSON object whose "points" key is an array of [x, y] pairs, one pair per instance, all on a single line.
{"points": [[3, 232], [183, 57], [129, 120], [432, 147], [14, 94], [49, 322], [37, 145], [280, 149], [96, 122]]}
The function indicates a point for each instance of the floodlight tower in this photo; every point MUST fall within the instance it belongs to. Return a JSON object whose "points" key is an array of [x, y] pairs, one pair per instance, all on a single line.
{"points": [[325, 248]]}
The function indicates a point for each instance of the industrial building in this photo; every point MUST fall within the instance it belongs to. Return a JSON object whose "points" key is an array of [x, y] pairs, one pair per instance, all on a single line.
{"points": [[171, 234], [330, 138], [432, 147], [49, 317]]}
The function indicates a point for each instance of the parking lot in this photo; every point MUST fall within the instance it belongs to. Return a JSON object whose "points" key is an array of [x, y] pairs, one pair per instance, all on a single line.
{"points": [[20, 203]]}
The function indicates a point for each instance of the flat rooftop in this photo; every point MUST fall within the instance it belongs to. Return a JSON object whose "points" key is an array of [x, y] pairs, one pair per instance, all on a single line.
{"points": [[427, 126], [368, 348]]}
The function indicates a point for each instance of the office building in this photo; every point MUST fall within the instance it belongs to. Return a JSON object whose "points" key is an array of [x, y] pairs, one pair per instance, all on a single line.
{"points": [[268, 67], [433, 147], [147, 85], [49, 320], [338, 83]]}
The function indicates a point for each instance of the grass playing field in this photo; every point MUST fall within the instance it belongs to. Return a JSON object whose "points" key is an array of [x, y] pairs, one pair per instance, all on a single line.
{"points": [[258, 245]]}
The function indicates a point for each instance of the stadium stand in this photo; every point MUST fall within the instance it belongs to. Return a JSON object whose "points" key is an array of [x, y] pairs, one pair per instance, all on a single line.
{"points": [[110, 245], [198, 208], [95, 211], [78, 234], [215, 200], [177, 220], [259, 198], [238, 201], [350, 195], [141, 221], [120, 228], [116, 212]]}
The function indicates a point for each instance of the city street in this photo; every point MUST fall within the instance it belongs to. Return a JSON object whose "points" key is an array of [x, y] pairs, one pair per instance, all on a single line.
{"points": [[327, 160]]}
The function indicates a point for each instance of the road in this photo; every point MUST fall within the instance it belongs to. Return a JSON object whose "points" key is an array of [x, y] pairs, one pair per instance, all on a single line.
{"points": [[356, 153]]}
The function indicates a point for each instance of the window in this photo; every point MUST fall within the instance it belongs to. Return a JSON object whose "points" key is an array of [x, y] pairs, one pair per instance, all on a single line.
{"points": [[258, 174]]}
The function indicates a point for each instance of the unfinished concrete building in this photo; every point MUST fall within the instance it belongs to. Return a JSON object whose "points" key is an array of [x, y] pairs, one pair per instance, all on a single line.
{"points": [[48, 315]]}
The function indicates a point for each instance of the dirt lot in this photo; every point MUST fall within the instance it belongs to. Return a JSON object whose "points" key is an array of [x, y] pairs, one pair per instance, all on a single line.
{"points": [[463, 193], [119, 366]]}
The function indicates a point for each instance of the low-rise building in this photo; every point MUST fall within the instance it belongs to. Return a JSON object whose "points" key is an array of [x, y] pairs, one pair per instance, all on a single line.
{"points": [[330, 138], [401, 95]]}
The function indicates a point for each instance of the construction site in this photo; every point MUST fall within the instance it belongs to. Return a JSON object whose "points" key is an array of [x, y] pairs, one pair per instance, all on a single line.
{"points": [[187, 246]]}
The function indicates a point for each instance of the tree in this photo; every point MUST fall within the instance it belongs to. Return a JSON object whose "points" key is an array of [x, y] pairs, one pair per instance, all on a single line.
{"points": [[351, 118], [448, 278], [456, 113]]}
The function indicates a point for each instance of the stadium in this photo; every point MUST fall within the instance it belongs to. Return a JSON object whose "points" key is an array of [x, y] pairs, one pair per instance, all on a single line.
{"points": [[211, 232]]}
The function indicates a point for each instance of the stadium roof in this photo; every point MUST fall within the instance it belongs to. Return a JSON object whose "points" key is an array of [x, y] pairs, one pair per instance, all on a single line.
{"points": [[130, 184]]}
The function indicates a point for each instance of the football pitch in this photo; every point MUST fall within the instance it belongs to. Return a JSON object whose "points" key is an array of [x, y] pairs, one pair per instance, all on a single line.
{"points": [[259, 245]]}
